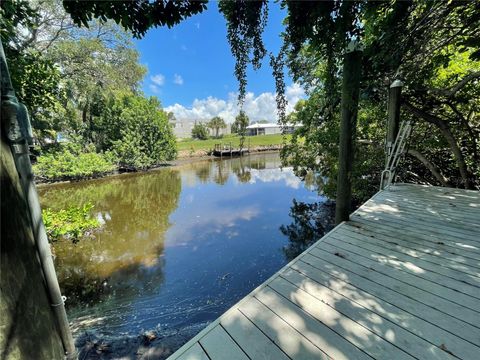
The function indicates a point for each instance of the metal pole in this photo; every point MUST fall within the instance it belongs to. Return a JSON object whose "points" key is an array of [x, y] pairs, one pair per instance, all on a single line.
{"points": [[18, 130], [348, 123]]}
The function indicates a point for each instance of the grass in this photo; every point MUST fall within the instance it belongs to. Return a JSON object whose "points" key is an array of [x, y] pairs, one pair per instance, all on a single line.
{"points": [[253, 141]]}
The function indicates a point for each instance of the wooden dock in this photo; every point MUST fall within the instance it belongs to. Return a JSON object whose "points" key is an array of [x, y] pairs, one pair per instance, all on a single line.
{"points": [[227, 150], [401, 280]]}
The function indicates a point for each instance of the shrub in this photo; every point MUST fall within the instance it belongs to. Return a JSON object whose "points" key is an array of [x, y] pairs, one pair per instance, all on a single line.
{"points": [[200, 132], [65, 163], [140, 132]]}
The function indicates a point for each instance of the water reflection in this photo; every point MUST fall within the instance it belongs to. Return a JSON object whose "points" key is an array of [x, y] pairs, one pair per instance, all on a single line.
{"points": [[310, 223], [179, 246], [243, 169], [124, 257]]}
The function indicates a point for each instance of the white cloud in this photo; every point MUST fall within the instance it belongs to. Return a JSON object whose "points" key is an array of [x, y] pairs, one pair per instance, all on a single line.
{"points": [[261, 107], [177, 79], [154, 88], [158, 79], [286, 175]]}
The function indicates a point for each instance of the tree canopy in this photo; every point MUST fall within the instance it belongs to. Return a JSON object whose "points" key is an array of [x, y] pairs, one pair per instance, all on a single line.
{"points": [[78, 84], [432, 47], [138, 16]]}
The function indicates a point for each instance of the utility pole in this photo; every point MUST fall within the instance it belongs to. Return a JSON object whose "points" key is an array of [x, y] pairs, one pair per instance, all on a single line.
{"points": [[352, 65]]}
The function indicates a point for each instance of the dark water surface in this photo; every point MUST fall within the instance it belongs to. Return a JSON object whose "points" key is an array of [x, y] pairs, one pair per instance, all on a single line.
{"points": [[178, 247]]}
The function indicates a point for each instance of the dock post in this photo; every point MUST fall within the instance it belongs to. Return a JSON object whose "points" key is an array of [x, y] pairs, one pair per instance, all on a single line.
{"points": [[393, 124], [348, 123]]}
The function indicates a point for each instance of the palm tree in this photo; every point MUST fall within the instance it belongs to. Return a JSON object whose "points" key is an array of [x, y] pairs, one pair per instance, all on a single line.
{"points": [[216, 124]]}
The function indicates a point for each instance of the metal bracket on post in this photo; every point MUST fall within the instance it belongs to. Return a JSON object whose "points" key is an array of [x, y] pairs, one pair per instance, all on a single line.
{"points": [[395, 155], [392, 133]]}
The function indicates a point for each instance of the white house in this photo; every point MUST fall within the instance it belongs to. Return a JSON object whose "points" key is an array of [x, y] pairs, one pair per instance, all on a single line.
{"points": [[182, 128], [269, 129]]}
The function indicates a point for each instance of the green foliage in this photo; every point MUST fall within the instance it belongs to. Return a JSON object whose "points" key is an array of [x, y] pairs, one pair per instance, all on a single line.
{"points": [[72, 223], [216, 123], [35, 78], [136, 15], [84, 84], [93, 69], [314, 147], [200, 132], [246, 21], [240, 124], [431, 46], [68, 163], [139, 131]]}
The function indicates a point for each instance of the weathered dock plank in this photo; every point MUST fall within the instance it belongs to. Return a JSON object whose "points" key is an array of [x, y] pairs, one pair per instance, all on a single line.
{"points": [[400, 280]]}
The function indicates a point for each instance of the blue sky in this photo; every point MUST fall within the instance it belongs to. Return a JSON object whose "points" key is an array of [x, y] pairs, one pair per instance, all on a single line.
{"points": [[190, 68]]}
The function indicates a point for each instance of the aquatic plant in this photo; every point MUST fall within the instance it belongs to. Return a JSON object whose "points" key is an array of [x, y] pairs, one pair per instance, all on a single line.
{"points": [[71, 223]]}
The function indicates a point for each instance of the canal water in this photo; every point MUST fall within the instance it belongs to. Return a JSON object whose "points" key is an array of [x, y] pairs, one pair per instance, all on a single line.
{"points": [[178, 247]]}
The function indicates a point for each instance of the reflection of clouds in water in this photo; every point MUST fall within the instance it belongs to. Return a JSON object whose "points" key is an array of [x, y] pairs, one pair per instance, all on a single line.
{"points": [[103, 217], [270, 175], [216, 220]]}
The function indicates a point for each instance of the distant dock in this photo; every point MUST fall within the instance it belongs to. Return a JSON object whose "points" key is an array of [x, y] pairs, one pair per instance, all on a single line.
{"points": [[227, 150]]}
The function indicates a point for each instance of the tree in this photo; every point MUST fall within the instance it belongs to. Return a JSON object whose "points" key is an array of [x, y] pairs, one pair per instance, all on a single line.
{"points": [[411, 40], [136, 15], [35, 78], [199, 131], [93, 67], [61, 72], [240, 124], [216, 123], [139, 132]]}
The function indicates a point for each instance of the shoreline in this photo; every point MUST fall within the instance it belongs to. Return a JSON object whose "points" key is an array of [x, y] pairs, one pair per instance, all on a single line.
{"points": [[179, 161]]}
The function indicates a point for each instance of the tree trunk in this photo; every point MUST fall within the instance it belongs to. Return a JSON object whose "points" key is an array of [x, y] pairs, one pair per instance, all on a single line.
{"points": [[447, 133], [430, 166], [84, 113], [350, 93]]}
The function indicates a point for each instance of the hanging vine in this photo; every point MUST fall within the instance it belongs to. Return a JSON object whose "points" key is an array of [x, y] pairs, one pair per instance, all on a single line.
{"points": [[246, 21]]}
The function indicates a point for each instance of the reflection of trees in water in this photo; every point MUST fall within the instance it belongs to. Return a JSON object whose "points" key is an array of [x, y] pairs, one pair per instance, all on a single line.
{"points": [[313, 181], [242, 170], [222, 172], [86, 288], [203, 172], [258, 163], [125, 255], [242, 166], [310, 223]]}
